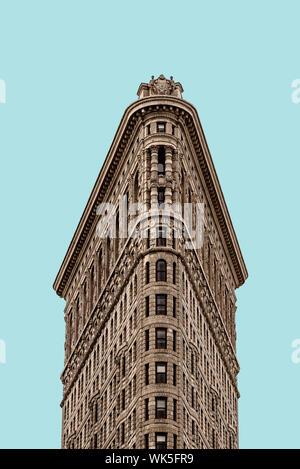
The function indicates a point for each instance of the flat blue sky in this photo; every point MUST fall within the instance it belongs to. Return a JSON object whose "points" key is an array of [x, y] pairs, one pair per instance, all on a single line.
{"points": [[71, 68]]}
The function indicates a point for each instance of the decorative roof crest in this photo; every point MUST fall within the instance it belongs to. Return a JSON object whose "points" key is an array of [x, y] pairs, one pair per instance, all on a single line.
{"points": [[160, 86]]}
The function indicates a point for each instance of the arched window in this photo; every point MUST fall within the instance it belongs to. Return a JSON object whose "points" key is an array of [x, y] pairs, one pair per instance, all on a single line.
{"points": [[161, 271], [147, 272]]}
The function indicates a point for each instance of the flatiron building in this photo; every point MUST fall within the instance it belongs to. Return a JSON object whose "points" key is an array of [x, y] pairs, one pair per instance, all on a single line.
{"points": [[150, 341]]}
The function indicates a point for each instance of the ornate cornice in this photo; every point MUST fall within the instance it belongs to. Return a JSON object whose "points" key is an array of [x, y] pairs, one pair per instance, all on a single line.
{"points": [[189, 117]]}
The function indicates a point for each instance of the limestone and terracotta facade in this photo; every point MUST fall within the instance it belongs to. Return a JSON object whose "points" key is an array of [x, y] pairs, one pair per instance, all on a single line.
{"points": [[150, 347]]}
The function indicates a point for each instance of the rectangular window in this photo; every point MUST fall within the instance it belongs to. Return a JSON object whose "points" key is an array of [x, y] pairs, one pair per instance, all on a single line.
{"points": [[174, 273], [147, 272], [161, 195], [146, 441], [174, 409], [161, 127], [146, 409], [174, 341], [160, 440], [123, 399], [161, 303], [148, 129], [123, 366], [174, 307], [174, 441], [161, 236], [161, 338], [147, 306], [173, 239], [147, 340], [148, 238], [161, 407], [123, 433], [174, 375], [147, 374], [161, 372]]}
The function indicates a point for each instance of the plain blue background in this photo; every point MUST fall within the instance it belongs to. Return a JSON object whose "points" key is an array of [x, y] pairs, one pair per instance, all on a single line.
{"points": [[71, 68]]}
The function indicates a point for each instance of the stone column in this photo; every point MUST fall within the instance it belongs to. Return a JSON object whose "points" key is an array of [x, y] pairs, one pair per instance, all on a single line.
{"points": [[146, 159], [154, 174], [145, 189], [176, 177], [168, 165]]}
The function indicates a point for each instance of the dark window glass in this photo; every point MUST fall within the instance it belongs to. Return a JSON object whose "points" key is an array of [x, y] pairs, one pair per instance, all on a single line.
{"points": [[161, 236], [161, 167], [174, 409], [161, 195], [161, 338], [161, 407], [174, 375], [147, 373], [147, 441], [161, 440], [174, 307], [123, 433], [161, 303], [147, 272], [123, 399], [147, 339], [161, 127], [161, 271], [146, 409], [161, 372], [123, 366], [147, 305], [174, 341], [175, 441], [174, 273]]}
